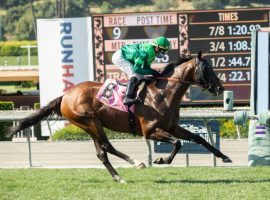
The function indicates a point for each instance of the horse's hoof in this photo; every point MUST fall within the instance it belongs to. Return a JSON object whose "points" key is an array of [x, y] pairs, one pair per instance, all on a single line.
{"points": [[227, 160], [122, 181], [139, 165], [159, 161], [119, 180]]}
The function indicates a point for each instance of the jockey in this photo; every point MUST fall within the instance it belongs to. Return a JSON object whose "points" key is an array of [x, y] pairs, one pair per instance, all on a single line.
{"points": [[135, 60]]}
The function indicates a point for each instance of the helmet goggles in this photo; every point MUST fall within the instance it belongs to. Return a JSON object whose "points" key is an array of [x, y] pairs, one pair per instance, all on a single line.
{"points": [[163, 44]]}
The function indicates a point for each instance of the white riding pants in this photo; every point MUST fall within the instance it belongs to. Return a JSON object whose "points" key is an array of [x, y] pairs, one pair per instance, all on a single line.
{"points": [[124, 65]]}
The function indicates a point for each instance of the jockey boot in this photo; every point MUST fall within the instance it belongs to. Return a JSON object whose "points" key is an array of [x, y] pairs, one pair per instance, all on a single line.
{"points": [[128, 99]]}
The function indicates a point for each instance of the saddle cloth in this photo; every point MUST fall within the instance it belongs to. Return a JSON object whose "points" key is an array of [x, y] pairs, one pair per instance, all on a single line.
{"points": [[112, 94]]}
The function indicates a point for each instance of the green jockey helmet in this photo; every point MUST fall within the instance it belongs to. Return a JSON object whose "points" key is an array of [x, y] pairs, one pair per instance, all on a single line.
{"points": [[163, 43]]}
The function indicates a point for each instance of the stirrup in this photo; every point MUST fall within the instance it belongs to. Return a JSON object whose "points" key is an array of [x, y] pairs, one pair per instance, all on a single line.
{"points": [[139, 99], [128, 101]]}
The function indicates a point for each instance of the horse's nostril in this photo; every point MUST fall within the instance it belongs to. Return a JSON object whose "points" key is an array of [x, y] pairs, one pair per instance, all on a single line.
{"points": [[220, 88]]}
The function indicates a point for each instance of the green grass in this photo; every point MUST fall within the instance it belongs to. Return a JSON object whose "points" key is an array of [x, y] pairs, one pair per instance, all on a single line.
{"points": [[14, 60], [15, 88], [152, 183]]}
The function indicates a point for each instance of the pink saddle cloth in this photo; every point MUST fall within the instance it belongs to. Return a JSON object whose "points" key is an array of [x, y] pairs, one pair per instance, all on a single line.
{"points": [[112, 94]]}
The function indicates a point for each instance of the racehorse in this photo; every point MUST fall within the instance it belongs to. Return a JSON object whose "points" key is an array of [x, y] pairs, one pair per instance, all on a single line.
{"points": [[156, 118]]}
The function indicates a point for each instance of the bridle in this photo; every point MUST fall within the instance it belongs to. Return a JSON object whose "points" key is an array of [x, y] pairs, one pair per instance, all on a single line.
{"points": [[199, 73], [176, 80]]}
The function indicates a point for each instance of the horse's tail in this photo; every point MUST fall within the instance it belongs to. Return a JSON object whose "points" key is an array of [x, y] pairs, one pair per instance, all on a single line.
{"points": [[52, 108]]}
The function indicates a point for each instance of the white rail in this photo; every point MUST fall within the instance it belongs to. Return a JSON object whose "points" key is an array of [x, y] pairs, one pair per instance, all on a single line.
{"points": [[188, 113], [185, 113], [16, 115], [16, 68]]}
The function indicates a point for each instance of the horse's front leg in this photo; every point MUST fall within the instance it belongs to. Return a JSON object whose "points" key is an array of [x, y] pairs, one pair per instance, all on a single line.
{"points": [[163, 136], [184, 134]]}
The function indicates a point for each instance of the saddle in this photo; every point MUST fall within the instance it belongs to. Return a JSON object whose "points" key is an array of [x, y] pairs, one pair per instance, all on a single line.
{"points": [[112, 94]]}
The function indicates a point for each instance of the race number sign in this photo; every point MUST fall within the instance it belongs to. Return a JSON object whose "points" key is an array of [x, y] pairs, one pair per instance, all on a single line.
{"points": [[225, 35], [114, 31]]}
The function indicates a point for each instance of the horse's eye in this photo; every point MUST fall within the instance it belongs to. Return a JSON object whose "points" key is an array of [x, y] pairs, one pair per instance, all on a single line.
{"points": [[205, 68]]}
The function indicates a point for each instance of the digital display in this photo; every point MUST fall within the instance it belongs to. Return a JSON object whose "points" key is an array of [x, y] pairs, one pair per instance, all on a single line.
{"points": [[226, 38], [223, 35]]}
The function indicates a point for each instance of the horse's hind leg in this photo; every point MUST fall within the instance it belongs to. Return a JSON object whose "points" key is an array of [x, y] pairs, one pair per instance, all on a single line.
{"points": [[102, 155], [119, 154], [184, 134], [102, 144], [163, 136], [95, 130], [109, 148]]}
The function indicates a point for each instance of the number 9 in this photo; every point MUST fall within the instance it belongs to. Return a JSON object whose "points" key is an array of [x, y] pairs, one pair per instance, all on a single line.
{"points": [[116, 33]]}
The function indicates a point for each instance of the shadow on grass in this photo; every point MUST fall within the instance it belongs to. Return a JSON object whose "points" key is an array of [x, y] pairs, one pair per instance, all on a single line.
{"points": [[96, 180], [212, 181]]}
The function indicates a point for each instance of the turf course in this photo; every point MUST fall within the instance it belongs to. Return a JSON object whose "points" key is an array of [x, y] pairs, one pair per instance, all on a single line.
{"points": [[150, 183], [13, 60]]}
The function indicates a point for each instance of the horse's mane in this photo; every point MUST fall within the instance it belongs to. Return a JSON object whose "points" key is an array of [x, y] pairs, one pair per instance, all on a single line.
{"points": [[169, 67]]}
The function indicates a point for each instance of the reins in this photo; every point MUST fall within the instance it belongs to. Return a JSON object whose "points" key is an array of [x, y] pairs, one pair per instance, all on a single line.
{"points": [[176, 80], [202, 83]]}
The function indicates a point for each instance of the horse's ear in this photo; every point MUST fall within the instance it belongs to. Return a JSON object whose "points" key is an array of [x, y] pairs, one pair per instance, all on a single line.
{"points": [[200, 54]]}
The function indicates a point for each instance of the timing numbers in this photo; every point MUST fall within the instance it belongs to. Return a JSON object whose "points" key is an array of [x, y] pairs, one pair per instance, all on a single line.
{"points": [[217, 46], [239, 61], [243, 29], [218, 62], [217, 30], [236, 30], [239, 46], [231, 61], [222, 77], [234, 76]]}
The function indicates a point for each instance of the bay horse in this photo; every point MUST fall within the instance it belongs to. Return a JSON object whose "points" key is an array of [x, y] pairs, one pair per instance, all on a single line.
{"points": [[157, 118]]}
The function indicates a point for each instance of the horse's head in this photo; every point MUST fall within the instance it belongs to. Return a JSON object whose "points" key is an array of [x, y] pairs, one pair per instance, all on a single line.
{"points": [[205, 76]]}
